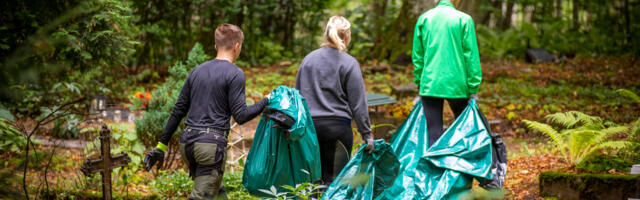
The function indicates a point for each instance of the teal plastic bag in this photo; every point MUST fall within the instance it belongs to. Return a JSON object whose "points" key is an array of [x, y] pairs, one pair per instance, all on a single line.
{"points": [[446, 169], [366, 175], [278, 158]]}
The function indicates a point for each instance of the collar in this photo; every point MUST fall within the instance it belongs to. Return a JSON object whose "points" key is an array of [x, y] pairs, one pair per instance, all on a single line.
{"points": [[445, 3]]}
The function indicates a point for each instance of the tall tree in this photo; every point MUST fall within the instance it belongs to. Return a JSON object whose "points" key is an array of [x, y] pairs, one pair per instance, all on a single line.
{"points": [[397, 39], [558, 8], [576, 6], [506, 19]]}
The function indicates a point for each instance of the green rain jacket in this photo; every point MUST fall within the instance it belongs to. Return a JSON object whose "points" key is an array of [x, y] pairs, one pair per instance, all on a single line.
{"points": [[445, 53]]}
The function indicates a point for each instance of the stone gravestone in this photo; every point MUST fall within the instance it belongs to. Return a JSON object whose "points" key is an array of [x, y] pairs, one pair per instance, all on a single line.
{"points": [[538, 55], [105, 163]]}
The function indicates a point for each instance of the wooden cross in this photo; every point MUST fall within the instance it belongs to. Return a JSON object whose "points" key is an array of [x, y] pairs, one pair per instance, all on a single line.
{"points": [[105, 163]]}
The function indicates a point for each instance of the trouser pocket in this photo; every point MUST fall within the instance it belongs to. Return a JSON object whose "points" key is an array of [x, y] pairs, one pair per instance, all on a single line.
{"points": [[205, 153]]}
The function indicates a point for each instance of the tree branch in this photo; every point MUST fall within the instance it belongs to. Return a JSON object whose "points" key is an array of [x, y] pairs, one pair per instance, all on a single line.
{"points": [[40, 122]]}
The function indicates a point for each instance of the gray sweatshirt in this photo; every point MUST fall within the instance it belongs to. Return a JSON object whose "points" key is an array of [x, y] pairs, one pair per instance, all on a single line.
{"points": [[332, 84]]}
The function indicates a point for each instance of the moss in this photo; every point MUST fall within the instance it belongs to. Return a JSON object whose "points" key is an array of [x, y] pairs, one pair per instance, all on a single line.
{"points": [[587, 185]]}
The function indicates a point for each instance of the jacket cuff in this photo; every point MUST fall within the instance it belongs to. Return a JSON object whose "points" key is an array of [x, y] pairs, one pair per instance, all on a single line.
{"points": [[162, 147], [473, 90], [366, 136]]}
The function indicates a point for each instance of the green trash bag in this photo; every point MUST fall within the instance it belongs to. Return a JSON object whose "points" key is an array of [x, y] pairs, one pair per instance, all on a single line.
{"points": [[446, 169], [366, 175], [283, 157]]}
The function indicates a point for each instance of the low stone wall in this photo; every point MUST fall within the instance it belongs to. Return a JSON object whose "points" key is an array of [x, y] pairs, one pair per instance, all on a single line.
{"points": [[589, 186]]}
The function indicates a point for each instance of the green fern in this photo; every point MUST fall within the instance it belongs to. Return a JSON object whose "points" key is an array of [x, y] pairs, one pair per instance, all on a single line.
{"points": [[572, 119], [580, 135], [549, 131], [634, 133], [627, 93]]}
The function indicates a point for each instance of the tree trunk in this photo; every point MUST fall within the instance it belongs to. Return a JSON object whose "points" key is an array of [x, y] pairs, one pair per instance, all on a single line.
{"points": [[506, 19], [558, 8], [496, 5], [576, 23], [627, 20], [472, 7], [380, 9], [398, 38]]}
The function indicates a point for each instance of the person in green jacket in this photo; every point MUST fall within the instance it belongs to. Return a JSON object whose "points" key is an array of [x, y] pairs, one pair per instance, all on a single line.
{"points": [[446, 61]]}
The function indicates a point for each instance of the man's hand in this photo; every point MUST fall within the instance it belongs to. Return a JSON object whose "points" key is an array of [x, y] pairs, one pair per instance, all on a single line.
{"points": [[474, 96], [154, 156], [368, 139]]}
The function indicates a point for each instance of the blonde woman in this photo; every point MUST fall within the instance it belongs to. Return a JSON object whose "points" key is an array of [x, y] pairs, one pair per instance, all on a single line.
{"points": [[331, 82]]}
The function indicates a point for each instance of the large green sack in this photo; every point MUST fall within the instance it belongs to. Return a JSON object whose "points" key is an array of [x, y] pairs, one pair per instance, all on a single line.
{"points": [[278, 158], [366, 175], [446, 169]]}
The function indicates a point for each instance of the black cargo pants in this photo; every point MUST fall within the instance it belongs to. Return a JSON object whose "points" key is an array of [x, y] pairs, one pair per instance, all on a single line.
{"points": [[204, 152]]}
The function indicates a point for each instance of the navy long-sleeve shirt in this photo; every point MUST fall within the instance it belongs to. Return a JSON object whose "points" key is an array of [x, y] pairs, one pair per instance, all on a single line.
{"points": [[212, 93]]}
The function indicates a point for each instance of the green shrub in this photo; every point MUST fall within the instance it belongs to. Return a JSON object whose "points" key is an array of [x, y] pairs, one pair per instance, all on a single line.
{"points": [[173, 185], [57, 51], [151, 125], [580, 135], [66, 127], [12, 139], [233, 184]]}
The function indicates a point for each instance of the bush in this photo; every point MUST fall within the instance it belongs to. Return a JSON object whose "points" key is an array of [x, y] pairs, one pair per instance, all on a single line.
{"points": [[57, 51], [233, 184], [175, 184], [12, 139], [150, 126]]}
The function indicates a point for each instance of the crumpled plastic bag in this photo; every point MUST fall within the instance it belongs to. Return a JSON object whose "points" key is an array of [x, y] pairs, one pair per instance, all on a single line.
{"points": [[366, 175], [281, 157], [446, 169]]}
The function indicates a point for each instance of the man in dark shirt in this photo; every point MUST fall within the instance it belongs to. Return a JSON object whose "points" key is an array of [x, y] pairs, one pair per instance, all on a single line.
{"points": [[213, 92]]}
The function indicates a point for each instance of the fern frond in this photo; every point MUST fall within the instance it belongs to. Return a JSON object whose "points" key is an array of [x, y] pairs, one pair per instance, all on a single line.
{"points": [[555, 137], [614, 130], [605, 145], [545, 129], [627, 93], [635, 130], [579, 140], [572, 119]]}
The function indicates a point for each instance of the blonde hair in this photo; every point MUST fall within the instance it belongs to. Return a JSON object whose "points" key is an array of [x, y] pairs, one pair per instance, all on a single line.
{"points": [[338, 29]]}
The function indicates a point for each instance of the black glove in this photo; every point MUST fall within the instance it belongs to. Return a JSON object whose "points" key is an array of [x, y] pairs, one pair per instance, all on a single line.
{"points": [[154, 156], [368, 139]]}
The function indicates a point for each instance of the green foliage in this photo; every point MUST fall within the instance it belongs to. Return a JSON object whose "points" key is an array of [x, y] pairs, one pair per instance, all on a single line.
{"points": [[66, 127], [496, 44], [605, 163], [580, 135], [291, 30], [629, 94], [56, 51], [233, 184], [126, 139], [173, 184], [305, 191], [151, 125], [12, 139], [634, 134], [574, 96]]}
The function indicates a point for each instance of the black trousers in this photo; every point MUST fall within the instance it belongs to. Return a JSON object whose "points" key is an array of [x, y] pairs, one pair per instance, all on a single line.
{"points": [[335, 138], [433, 112]]}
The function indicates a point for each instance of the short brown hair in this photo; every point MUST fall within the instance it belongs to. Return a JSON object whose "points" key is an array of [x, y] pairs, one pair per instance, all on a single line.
{"points": [[227, 35]]}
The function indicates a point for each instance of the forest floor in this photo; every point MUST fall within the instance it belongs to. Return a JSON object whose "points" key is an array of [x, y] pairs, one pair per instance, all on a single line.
{"points": [[511, 91]]}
